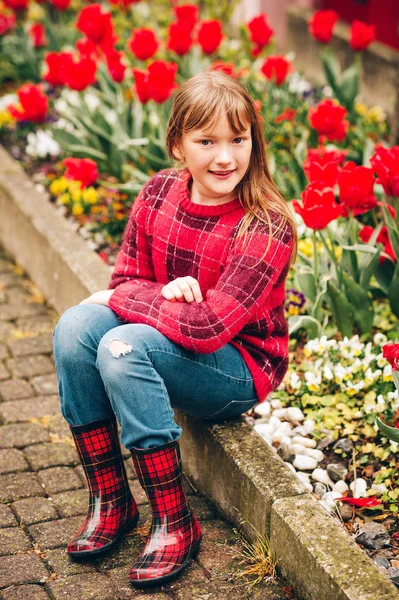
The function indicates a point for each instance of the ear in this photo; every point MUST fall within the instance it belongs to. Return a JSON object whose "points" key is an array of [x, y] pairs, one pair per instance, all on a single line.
{"points": [[177, 153]]}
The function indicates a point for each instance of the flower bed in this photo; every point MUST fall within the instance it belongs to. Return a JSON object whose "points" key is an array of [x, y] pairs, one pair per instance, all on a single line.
{"points": [[86, 96]]}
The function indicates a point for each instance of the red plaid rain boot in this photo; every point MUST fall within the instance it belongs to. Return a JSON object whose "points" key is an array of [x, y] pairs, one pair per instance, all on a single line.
{"points": [[175, 532], [112, 508]]}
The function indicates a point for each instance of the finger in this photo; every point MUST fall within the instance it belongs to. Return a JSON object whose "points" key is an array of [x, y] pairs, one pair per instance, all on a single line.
{"points": [[185, 289], [195, 288], [168, 294], [174, 287]]}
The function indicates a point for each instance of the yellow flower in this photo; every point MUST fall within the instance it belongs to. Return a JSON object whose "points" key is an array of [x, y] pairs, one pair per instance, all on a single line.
{"points": [[77, 210], [74, 185], [361, 109], [64, 199], [313, 387], [117, 205], [95, 210], [305, 246], [76, 195], [90, 195], [375, 115], [6, 118], [293, 310], [59, 186]]}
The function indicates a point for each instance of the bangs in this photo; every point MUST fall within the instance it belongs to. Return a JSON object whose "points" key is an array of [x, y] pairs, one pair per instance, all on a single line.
{"points": [[211, 108]]}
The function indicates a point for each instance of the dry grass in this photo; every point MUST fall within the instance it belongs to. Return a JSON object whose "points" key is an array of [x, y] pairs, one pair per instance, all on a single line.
{"points": [[257, 558]]}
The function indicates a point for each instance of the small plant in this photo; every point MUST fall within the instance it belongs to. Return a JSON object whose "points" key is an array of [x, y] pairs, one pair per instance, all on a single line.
{"points": [[257, 557]]}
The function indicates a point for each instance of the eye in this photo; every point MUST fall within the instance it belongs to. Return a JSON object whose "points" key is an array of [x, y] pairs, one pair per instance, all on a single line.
{"points": [[204, 144], [239, 138]]}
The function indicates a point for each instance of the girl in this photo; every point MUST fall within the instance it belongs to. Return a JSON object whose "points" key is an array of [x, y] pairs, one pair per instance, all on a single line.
{"points": [[193, 319]]}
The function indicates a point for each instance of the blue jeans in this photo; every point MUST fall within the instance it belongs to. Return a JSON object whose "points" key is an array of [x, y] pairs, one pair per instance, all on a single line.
{"points": [[106, 366]]}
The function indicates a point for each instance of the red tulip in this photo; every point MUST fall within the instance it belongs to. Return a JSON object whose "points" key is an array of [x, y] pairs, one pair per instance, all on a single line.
{"points": [[319, 206], [80, 73], [143, 43], [385, 162], [187, 15], [276, 69], [368, 502], [260, 31], [95, 24], [86, 47], [33, 104], [361, 35], [180, 40], [81, 169], [327, 174], [37, 33], [116, 67], [321, 25], [157, 83], [288, 114], [210, 36], [57, 65], [16, 5], [327, 118], [124, 3], [383, 238], [324, 156], [60, 4], [7, 23], [391, 353], [356, 186]]}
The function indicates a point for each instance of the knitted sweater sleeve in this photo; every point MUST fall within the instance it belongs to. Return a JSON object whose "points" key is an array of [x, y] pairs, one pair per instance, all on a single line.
{"points": [[245, 284], [134, 262]]}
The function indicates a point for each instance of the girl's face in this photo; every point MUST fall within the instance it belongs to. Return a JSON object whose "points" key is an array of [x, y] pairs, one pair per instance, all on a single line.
{"points": [[217, 161]]}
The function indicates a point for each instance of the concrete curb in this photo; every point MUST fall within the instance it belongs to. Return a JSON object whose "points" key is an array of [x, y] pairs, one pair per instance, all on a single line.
{"points": [[230, 463]]}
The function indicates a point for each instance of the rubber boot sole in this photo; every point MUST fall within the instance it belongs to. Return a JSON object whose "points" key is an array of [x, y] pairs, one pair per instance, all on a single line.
{"points": [[157, 581], [84, 554]]}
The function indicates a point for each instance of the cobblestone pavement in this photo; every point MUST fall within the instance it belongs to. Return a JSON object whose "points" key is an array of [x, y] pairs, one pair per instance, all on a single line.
{"points": [[42, 488]]}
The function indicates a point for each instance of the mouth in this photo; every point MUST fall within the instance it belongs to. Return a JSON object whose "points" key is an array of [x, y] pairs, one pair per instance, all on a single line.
{"points": [[222, 174]]}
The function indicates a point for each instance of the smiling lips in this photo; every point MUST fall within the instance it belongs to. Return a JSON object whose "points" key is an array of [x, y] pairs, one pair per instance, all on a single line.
{"points": [[221, 173]]}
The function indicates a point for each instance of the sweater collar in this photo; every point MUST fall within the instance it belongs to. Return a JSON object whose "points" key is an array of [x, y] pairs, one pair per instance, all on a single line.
{"points": [[204, 210]]}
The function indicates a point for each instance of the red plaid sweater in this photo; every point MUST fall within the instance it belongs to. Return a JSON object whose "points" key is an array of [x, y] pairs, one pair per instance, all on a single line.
{"points": [[169, 236]]}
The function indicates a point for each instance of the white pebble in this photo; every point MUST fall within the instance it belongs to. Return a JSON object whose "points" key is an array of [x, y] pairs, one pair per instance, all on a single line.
{"points": [[286, 440], [305, 463], [298, 449], [328, 500], [274, 423], [295, 414], [305, 477], [308, 486], [299, 430], [297, 439], [317, 454], [321, 475], [275, 403], [359, 488], [290, 466], [262, 409], [264, 429], [309, 425], [280, 413], [378, 489], [341, 486]]}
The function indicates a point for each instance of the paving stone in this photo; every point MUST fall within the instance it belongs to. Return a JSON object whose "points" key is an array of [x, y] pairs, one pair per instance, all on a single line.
{"points": [[45, 384], [10, 312], [7, 518], [71, 504], [81, 474], [34, 408], [138, 492], [202, 508], [18, 294], [22, 568], [59, 430], [53, 454], [15, 389], [192, 583], [15, 486], [217, 558], [13, 540], [4, 373], [28, 366], [34, 510], [25, 592], [10, 278], [5, 329], [61, 564], [4, 264], [12, 460], [22, 434], [124, 553], [54, 534], [39, 324], [39, 344], [221, 532], [124, 589], [59, 479], [4, 353], [83, 586]]}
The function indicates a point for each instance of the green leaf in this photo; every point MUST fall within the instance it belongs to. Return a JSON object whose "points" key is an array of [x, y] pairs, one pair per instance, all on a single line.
{"points": [[361, 302], [131, 187], [86, 152], [311, 325], [368, 269], [392, 230], [342, 310], [65, 138], [393, 293], [349, 87], [332, 70], [389, 432], [307, 282]]}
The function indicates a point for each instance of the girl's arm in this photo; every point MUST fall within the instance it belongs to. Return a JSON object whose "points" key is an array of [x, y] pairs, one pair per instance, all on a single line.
{"points": [[242, 288], [134, 262]]}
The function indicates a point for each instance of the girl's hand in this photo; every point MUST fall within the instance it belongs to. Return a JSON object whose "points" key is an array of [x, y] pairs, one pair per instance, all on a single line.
{"points": [[101, 297], [182, 289]]}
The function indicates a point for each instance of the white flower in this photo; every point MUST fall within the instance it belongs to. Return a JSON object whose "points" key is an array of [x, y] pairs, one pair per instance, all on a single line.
{"points": [[299, 85], [327, 373], [379, 339], [394, 446], [92, 101], [8, 99], [42, 144], [381, 405], [295, 381]]}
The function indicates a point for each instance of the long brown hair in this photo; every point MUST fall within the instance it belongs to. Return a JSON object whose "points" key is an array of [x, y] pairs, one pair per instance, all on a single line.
{"points": [[199, 103]]}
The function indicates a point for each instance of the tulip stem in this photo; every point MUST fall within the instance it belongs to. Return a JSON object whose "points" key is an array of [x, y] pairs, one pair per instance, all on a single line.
{"points": [[315, 257], [331, 253]]}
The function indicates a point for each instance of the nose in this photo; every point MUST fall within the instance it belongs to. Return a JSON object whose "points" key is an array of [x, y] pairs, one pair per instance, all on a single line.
{"points": [[224, 157]]}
